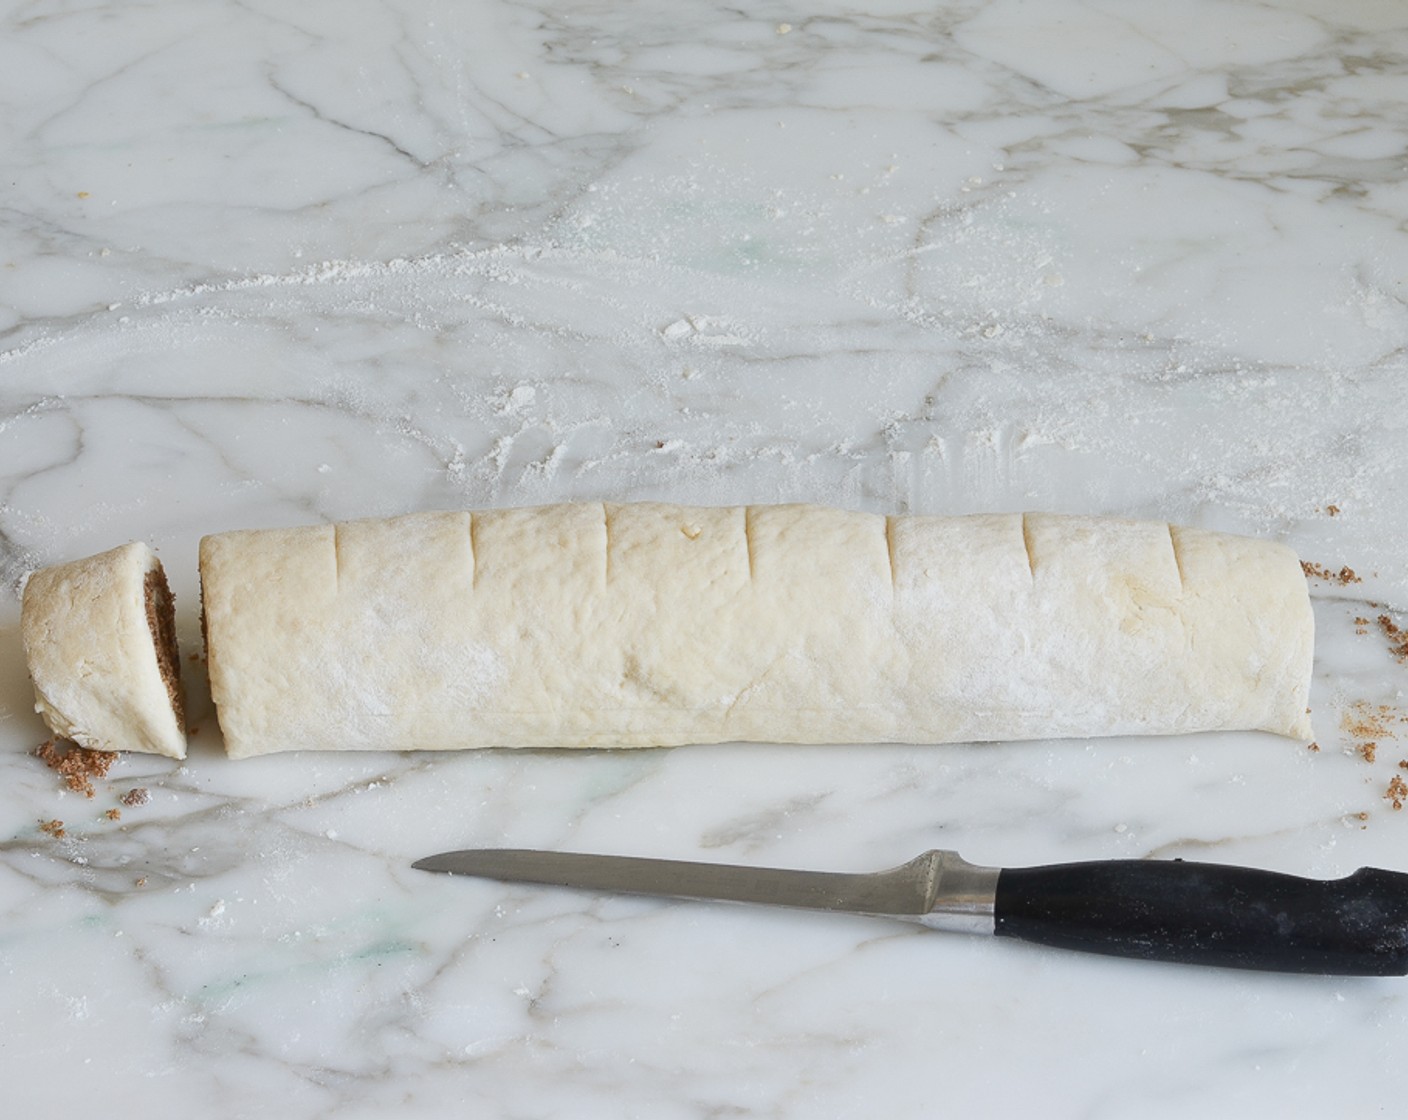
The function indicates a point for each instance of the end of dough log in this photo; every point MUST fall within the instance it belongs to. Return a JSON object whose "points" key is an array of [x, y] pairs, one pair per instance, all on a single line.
{"points": [[100, 638]]}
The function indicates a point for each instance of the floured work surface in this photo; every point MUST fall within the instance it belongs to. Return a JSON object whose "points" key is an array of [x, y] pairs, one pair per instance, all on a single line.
{"points": [[591, 625]]}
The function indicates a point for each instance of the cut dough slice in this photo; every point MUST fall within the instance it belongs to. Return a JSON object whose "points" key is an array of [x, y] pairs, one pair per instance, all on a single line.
{"points": [[100, 637], [593, 625]]}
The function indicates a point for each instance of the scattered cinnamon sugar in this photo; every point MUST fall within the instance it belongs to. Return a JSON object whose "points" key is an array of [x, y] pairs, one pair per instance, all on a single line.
{"points": [[113, 814], [137, 795], [1319, 571], [53, 828], [1397, 639], [1367, 726], [1333, 510], [76, 765], [1367, 722]]}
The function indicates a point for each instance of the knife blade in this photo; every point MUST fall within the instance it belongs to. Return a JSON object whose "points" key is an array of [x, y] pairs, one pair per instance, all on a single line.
{"points": [[1164, 910]]}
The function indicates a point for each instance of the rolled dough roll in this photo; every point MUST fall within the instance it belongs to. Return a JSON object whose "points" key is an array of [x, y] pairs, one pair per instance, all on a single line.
{"points": [[591, 625], [100, 637]]}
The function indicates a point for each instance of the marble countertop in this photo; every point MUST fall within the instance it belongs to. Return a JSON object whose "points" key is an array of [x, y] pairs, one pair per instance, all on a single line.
{"points": [[274, 264]]}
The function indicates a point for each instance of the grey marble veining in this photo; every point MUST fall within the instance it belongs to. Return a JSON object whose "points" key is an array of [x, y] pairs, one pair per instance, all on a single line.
{"points": [[266, 265]]}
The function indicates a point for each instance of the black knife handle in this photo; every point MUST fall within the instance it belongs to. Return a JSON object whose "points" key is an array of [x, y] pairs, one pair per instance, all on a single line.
{"points": [[1204, 913]]}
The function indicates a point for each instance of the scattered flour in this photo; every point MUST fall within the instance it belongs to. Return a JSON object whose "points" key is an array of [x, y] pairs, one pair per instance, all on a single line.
{"points": [[940, 367]]}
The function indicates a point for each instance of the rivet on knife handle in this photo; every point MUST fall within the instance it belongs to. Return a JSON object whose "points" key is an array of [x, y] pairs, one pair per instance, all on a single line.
{"points": [[1195, 913]]}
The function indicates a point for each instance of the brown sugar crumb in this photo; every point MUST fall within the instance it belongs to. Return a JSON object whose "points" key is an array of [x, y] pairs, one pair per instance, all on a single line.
{"points": [[1397, 792], [1319, 571], [1369, 722], [138, 795], [1368, 750], [113, 814], [1397, 639], [1333, 510], [142, 882], [1312, 746], [76, 765], [53, 828]]}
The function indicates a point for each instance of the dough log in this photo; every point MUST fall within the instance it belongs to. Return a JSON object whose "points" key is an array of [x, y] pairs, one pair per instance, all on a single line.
{"points": [[100, 638], [593, 625]]}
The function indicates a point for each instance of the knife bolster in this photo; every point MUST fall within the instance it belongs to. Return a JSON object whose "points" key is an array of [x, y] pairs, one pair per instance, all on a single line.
{"points": [[963, 895]]}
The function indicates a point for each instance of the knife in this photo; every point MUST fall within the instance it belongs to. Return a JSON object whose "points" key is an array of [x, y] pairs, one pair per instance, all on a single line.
{"points": [[1163, 910]]}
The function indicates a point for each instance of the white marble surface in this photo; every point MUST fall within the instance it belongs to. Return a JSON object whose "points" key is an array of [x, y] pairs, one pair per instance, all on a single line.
{"points": [[270, 264]]}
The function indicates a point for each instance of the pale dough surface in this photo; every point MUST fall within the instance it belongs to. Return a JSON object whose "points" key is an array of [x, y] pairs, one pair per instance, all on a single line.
{"points": [[92, 656], [591, 625]]}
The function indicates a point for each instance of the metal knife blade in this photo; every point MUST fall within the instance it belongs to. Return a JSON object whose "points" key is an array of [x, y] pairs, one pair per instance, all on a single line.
{"points": [[1169, 910], [938, 887]]}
